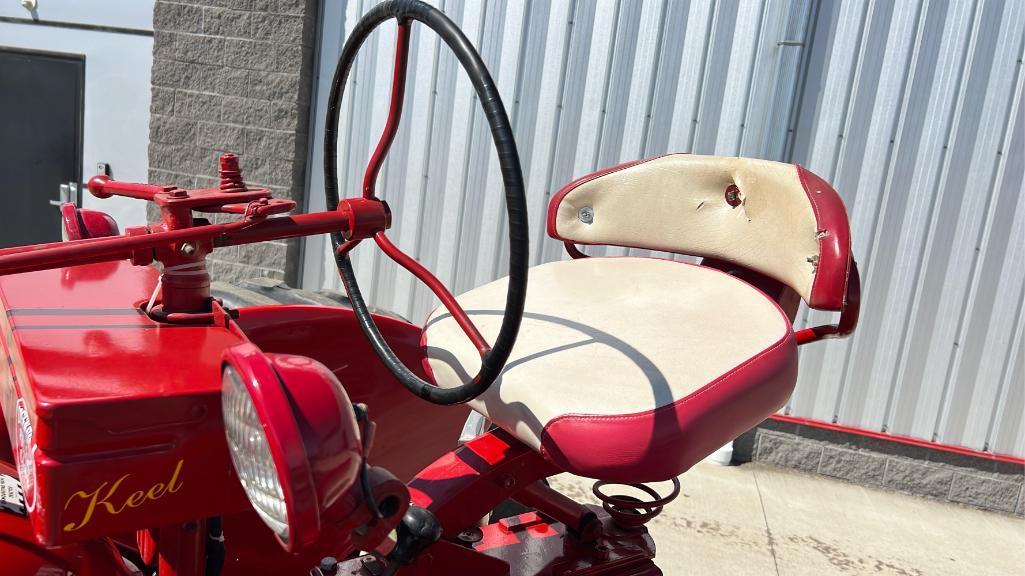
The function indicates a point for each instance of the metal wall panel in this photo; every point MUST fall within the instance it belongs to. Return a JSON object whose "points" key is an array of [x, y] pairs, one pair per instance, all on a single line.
{"points": [[917, 120], [587, 83], [913, 110]]}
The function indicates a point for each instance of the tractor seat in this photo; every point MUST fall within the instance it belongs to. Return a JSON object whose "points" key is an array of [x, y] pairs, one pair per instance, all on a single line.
{"points": [[625, 369]]}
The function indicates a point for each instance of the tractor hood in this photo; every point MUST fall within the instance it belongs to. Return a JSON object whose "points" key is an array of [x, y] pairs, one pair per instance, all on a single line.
{"points": [[114, 419]]}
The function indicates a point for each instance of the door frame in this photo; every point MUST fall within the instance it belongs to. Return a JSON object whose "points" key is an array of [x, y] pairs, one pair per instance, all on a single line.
{"points": [[79, 104]]}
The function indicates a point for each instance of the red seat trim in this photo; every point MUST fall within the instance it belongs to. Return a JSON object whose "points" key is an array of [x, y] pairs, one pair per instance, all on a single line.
{"points": [[553, 204], [663, 443], [829, 288]]}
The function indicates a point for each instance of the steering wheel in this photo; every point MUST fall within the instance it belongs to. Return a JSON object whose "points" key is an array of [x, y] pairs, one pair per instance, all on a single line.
{"points": [[493, 358]]}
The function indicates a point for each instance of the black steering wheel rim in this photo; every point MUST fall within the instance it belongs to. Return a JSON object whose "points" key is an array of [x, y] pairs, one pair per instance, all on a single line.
{"points": [[493, 361]]}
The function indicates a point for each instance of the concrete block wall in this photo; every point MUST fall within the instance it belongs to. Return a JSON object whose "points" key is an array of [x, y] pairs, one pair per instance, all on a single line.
{"points": [[979, 482], [234, 76]]}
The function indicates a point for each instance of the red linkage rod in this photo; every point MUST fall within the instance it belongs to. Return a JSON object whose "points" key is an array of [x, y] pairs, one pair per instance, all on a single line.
{"points": [[76, 252]]}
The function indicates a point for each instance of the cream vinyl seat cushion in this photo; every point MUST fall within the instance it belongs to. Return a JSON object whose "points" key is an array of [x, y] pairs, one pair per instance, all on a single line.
{"points": [[625, 369]]}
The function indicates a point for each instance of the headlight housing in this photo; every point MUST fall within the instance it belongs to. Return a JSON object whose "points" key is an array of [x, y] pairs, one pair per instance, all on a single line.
{"points": [[292, 436], [251, 454]]}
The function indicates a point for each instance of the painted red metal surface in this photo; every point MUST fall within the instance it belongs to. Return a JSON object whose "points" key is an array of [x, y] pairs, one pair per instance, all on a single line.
{"points": [[535, 545], [118, 417], [391, 127], [465, 484], [531, 544], [79, 223], [20, 553], [366, 217], [330, 437], [900, 439], [181, 242], [332, 337], [573, 251], [848, 314], [271, 401], [113, 443], [832, 269], [47, 256], [252, 549], [230, 174], [575, 516], [88, 365], [312, 435], [439, 289], [181, 548]]}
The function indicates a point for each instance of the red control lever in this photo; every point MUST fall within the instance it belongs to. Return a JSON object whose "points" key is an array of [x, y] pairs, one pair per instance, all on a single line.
{"points": [[179, 240]]}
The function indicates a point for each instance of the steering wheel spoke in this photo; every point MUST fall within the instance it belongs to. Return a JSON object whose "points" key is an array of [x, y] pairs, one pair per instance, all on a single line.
{"points": [[432, 282], [391, 126]]}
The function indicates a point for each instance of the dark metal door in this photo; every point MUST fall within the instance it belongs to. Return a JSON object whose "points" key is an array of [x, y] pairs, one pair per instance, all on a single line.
{"points": [[41, 97]]}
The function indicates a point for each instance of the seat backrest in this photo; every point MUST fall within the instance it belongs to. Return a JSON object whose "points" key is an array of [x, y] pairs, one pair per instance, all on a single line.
{"points": [[777, 219]]}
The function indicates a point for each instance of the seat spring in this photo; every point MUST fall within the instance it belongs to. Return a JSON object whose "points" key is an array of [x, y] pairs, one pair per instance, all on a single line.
{"points": [[629, 511]]}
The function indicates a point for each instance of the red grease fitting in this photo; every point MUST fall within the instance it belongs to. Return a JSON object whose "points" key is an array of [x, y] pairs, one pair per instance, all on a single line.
{"points": [[230, 174]]}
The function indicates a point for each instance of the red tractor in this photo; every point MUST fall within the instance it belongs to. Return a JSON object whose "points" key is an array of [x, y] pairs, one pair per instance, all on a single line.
{"points": [[156, 429]]}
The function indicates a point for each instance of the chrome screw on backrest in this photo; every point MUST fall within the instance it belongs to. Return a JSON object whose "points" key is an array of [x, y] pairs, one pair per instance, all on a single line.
{"points": [[586, 215]]}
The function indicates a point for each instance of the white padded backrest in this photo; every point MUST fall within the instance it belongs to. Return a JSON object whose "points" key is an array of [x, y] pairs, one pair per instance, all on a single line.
{"points": [[677, 203]]}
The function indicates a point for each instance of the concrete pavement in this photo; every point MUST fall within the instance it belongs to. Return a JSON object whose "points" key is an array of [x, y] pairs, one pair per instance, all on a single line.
{"points": [[755, 520]]}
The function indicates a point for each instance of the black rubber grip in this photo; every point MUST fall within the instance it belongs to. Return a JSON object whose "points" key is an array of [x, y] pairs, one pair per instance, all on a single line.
{"points": [[512, 176]]}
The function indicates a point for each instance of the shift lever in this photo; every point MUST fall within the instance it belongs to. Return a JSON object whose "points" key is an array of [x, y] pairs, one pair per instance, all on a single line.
{"points": [[418, 529]]}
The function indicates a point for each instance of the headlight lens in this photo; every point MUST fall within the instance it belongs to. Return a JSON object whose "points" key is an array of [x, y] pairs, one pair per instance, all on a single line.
{"points": [[251, 455]]}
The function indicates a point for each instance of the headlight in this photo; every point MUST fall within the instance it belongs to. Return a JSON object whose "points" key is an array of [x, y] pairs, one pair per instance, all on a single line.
{"points": [[251, 454], [293, 440]]}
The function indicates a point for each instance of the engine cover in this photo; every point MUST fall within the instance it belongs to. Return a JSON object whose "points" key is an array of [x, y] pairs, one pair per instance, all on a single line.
{"points": [[114, 419]]}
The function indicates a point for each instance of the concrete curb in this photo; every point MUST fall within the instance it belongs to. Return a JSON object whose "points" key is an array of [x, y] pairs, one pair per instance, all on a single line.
{"points": [[977, 482]]}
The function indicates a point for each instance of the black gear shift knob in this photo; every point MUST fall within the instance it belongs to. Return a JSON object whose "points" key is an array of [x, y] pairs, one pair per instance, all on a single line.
{"points": [[415, 533]]}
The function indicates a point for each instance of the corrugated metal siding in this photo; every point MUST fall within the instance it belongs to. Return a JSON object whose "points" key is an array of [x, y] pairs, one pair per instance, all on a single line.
{"points": [[918, 122], [913, 110], [587, 85]]}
